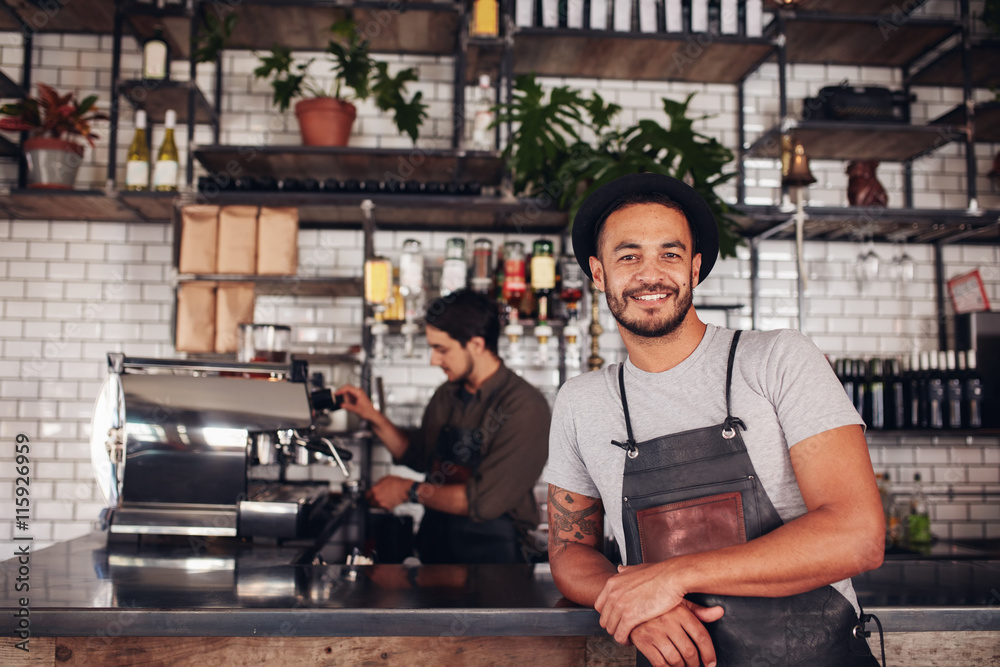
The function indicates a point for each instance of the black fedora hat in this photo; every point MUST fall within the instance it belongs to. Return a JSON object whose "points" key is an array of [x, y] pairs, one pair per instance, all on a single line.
{"points": [[597, 206]]}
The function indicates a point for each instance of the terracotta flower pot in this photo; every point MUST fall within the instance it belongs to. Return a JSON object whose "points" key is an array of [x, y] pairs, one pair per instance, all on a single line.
{"points": [[52, 163], [325, 121]]}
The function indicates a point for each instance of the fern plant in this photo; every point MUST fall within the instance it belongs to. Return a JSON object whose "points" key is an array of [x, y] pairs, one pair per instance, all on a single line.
{"points": [[565, 145]]}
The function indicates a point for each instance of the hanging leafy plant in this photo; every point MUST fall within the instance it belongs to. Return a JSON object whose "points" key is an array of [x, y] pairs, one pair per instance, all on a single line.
{"points": [[354, 70], [565, 146]]}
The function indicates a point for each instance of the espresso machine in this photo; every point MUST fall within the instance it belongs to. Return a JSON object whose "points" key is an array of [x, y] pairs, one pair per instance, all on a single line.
{"points": [[201, 448]]}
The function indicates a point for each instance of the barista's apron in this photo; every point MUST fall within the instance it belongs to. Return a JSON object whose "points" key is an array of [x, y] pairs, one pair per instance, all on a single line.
{"points": [[697, 491], [449, 538]]}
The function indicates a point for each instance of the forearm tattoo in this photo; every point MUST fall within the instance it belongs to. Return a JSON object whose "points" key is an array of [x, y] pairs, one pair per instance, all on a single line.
{"points": [[567, 523]]}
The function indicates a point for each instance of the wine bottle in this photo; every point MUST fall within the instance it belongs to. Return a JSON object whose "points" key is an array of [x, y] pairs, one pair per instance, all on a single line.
{"points": [[914, 400], [922, 376], [156, 57], [876, 396], [167, 163], [137, 163], [953, 392], [860, 389], [935, 393], [918, 523], [895, 396], [972, 394], [846, 374]]}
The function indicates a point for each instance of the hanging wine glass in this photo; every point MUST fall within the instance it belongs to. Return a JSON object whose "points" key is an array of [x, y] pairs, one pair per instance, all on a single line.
{"points": [[907, 268], [867, 263]]}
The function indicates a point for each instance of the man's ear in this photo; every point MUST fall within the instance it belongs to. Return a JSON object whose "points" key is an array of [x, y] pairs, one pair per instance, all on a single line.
{"points": [[597, 270], [476, 345], [695, 270]]}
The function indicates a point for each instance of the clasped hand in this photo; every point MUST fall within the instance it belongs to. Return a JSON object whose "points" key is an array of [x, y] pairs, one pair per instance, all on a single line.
{"points": [[640, 604]]}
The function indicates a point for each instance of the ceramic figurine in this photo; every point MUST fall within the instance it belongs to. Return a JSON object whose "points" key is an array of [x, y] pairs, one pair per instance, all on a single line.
{"points": [[863, 188]]}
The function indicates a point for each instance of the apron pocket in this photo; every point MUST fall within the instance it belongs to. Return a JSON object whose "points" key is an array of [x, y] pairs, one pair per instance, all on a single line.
{"points": [[691, 526], [668, 523]]}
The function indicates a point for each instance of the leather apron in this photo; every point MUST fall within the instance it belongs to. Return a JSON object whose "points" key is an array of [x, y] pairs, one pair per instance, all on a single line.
{"points": [[697, 491], [450, 538]]}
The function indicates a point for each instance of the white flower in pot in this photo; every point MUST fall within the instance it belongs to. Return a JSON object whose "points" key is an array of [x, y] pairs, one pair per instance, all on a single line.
{"points": [[53, 120]]}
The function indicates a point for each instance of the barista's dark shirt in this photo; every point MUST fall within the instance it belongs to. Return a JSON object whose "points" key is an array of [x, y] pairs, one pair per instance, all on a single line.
{"points": [[511, 419]]}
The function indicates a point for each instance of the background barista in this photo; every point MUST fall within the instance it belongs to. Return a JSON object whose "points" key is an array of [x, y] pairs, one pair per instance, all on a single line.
{"points": [[482, 442]]}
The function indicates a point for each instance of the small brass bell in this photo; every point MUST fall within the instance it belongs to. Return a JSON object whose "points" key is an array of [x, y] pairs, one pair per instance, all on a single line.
{"points": [[797, 173]]}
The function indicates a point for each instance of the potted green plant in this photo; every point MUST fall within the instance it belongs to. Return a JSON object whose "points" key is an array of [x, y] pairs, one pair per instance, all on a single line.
{"points": [[551, 156], [327, 115], [52, 119]]}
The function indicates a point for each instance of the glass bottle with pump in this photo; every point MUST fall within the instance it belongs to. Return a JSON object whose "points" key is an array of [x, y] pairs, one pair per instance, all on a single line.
{"points": [[411, 288], [482, 133], [378, 293], [167, 162], [482, 260], [514, 284], [543, 283], [514, 287], [156, 57], [137, 162], [454, 271]]}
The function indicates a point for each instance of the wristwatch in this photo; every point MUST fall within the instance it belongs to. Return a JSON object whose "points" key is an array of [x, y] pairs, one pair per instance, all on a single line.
{"points": [[413, 496]]}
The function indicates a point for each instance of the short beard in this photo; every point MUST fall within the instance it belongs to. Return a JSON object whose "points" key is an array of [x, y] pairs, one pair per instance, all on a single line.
{"points": [[648, 329]]}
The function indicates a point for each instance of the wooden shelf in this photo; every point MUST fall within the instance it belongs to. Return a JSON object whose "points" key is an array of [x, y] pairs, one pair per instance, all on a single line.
{"points": [[289, 285], [413, 27], [321, 163], [987, 116], [833, 140], [318, 210], [156, 97], [44, 204], [946, 70], [858, 40], [76, 16], [175, 24], [150, 206], [856, 7], [885, 224], [640, 56]]}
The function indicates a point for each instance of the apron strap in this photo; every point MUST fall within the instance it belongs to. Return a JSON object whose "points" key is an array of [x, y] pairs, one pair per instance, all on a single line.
{"points": [[731, 421], [629, 445]]}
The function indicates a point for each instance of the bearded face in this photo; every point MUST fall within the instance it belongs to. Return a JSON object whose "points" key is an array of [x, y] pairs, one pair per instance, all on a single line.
{"points": [[647, 268]]}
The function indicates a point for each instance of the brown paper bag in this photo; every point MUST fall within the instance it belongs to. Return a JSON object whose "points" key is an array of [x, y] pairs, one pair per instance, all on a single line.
{"points": [[237, 240], [278, 241], [233, 306], [199, 238], [196, 316]]}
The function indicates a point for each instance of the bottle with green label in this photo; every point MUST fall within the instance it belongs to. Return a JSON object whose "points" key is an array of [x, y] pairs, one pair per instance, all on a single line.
{"points": [[918, 523]]}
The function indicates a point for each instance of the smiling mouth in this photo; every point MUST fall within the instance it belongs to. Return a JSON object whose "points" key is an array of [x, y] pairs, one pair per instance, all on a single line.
{"points": [[649, 298]]}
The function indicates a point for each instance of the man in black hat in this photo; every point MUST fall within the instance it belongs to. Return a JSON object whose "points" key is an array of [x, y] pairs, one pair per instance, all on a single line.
{"points": [[731, 466]]}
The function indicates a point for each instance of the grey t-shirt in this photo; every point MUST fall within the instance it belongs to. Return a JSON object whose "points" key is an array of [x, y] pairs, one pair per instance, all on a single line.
{"points": [[783, 389]]}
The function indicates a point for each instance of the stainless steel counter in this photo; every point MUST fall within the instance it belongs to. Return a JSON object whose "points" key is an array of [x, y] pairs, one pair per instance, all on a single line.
{"points": [[86, 587]]}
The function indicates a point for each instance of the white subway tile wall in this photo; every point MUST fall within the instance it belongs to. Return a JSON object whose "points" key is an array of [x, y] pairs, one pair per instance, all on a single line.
{"points": [[72, 291]]}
